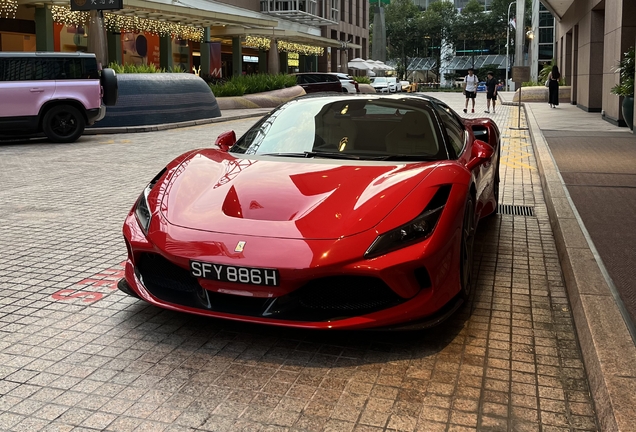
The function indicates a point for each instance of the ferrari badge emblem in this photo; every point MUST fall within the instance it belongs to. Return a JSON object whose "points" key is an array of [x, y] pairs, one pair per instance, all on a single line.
{"points": [[239, 246]]}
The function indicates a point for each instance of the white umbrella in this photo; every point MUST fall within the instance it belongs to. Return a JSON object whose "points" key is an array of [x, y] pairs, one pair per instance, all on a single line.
{"points": [[358, 63], [378, 65]]}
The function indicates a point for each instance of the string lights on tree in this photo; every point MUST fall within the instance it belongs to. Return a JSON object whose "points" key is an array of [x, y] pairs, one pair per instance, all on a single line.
{"points": [[125, 23], [8, 8]]}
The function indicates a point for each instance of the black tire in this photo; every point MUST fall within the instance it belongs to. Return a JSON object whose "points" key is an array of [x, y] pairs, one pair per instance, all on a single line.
{"points": [[63, 124], [108, 81], [466, 248]]}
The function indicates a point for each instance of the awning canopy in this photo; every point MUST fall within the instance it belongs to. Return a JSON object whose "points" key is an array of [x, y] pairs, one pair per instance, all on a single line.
{"points": [[466, 62], [291, 35], [201, 13], [558, 7], [422, 64]]}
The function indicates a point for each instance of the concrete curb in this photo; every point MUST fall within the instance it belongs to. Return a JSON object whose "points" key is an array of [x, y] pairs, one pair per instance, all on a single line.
{"points": [[166, 126], [608, 349]]}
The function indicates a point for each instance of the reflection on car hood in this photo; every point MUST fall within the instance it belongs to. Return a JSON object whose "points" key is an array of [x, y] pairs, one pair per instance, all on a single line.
{"points": [[285, 197]]}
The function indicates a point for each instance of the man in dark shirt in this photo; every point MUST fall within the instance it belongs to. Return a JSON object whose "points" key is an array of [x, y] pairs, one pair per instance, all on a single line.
{"points": [[491, 92]]}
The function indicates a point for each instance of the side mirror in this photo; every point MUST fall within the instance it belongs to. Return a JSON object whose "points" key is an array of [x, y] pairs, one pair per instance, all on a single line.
{"points": [[225, 140], [481, 152]]}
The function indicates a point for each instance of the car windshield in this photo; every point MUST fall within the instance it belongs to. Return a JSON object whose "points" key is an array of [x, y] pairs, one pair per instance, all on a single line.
{"points": [[379, 80], [347, 128]]}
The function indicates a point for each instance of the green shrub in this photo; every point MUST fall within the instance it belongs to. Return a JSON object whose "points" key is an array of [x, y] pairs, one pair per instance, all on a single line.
{"points": [[149, 68], [625, 68], [248, 84], [362, 79]]}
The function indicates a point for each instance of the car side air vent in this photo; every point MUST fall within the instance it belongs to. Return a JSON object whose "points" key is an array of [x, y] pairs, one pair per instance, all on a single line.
{"points": [[440, 197]]}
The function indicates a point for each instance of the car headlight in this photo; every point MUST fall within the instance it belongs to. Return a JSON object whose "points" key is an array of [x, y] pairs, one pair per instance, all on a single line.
{"points": [[142, 210], [414, 231]]}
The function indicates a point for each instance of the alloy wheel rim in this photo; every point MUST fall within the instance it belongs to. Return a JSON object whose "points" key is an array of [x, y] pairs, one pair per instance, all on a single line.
{"points": [[64, 124]]}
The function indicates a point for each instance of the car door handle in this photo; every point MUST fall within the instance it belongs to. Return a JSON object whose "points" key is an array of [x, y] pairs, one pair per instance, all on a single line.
{"points": [[36, 90]]}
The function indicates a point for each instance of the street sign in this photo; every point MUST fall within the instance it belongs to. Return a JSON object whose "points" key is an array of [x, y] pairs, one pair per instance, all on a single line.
{"points": [[88, 5], [520, 74]]}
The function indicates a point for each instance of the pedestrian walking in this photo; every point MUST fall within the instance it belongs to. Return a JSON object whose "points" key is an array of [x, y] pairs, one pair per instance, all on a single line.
{"points": [[491, 92], [470, 88], [553, 87]]}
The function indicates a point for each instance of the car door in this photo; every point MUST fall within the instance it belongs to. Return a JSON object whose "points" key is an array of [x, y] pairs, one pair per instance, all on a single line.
{"points": [[25, 86]]}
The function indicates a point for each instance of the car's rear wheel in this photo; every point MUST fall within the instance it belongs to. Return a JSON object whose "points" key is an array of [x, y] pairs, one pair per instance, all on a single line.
{"points": [[63, 124], [466, 251]]}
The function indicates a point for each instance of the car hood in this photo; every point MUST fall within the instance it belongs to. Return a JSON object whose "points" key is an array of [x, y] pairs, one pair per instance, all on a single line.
{"points": [[285, 197]]}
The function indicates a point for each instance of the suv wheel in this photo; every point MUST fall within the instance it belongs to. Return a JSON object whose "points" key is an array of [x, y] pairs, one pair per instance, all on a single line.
{"points": [[63, 124]]}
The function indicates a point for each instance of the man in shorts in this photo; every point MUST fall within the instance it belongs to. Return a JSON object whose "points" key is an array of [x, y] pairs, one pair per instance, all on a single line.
{"points": [[470, 88], [491, 92]]}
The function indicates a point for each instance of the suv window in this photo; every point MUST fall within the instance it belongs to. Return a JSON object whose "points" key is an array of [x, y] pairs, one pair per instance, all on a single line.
{"points": [[454, 129], [30, 68], [317, 78]]}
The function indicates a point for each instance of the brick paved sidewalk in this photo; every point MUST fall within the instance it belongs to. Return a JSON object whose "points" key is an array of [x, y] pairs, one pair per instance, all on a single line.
{"points": [[76, 354]]}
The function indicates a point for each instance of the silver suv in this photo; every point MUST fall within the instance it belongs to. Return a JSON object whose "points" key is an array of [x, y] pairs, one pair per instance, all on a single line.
{"points": [[57, 94]]}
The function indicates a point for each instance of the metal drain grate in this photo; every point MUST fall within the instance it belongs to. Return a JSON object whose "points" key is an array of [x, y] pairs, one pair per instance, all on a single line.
{"points": [[516, 210]]}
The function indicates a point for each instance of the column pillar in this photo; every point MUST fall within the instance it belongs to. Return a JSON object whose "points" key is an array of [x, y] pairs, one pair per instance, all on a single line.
{"points": [[114, 47], [619, 32], [575, 64], [589, 89], [43, 29], [165, 52], [237, 59], [262, 61], [205, 52], [283, 63], [273, 62], [344, 62], [567, 64], [520, 35]]}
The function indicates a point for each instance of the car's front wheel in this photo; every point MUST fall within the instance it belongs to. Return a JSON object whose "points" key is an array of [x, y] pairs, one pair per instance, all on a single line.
{"points": [[63, 124], [466, 251]]}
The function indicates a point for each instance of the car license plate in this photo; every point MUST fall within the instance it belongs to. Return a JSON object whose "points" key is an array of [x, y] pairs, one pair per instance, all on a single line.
{"points": [[226, 273]]}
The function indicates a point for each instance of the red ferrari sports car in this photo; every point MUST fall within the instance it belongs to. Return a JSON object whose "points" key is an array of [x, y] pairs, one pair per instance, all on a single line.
{"points": [[331, 212]]}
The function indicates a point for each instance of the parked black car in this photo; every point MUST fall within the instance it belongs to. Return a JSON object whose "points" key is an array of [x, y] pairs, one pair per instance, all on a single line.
{"points": [[314, 82]]}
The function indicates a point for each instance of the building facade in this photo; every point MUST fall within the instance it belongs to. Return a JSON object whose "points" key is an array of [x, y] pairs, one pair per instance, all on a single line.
{"points": [[591, 36], [222, 37]]}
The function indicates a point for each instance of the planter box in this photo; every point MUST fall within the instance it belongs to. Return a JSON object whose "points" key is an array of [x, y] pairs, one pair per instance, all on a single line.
{"points": [[269, 99], [160, 98], [540, 94]]}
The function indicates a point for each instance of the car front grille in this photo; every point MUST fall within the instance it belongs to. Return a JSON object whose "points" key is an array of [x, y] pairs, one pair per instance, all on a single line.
{"points": [[321, 299]]}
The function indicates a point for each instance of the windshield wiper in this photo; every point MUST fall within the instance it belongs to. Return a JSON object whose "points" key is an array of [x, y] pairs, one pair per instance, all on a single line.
{"points": [[312, 154], [405, 157], [300, 155], [332, 155]]}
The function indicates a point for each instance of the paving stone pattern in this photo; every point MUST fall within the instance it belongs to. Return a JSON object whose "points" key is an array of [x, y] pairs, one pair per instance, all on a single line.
{"points": [[76, 354]]}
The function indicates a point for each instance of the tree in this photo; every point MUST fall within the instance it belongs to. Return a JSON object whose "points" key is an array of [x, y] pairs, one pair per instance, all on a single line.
{"points": [[403, 30], [471, 27], [438, 23]]}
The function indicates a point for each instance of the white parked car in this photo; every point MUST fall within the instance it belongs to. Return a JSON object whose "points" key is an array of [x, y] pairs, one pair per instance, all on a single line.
{"points": [[380, 84], [349, 85], [394, 85]]}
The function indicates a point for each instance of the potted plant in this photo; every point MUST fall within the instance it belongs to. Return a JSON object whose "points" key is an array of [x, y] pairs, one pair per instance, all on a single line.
{"points": [[625, 88]]}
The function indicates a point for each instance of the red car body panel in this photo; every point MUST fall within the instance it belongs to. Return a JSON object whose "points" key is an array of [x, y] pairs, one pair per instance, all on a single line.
{"points": [[311, 220]]}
